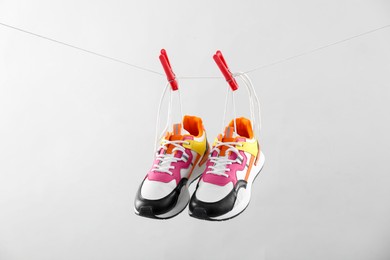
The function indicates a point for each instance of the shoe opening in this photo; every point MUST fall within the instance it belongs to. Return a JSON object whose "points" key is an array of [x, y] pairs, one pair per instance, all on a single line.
{"points": [[244, 127], [193, 125]]}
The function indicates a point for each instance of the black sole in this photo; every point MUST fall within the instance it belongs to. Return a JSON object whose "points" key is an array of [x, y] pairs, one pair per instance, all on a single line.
{"points": [[203, 215], [219, 220], [147, 212]]}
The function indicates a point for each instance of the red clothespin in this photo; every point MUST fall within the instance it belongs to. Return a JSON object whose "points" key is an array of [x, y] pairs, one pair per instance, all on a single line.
{"points": [[218, 58], [168, 70]]}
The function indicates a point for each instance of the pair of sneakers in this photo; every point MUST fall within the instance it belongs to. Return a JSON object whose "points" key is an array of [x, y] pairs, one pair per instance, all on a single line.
{"points": [[226, 172]]}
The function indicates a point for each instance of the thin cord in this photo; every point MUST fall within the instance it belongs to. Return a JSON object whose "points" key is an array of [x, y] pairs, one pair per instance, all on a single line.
{"points": [[315, 50], [82, 49], [234, 113], [229, 92], [199, 77], [157, 137], [226, 106], [180, 105], [294, 56], [169, 114], [169, 120], [252, 97]]}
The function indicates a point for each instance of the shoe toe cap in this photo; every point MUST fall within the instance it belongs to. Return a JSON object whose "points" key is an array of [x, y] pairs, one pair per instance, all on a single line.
{"points": [[213, 201], [152, 206]]}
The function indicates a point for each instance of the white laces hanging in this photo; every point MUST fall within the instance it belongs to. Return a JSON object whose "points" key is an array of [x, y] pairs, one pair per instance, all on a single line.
{"points": [[169, 114], [165, 160], [219, 163], [254, 104]]}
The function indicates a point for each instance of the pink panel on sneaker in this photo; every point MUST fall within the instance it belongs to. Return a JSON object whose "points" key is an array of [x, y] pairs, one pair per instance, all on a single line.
{"points": [[166, 177], [222, 180]]}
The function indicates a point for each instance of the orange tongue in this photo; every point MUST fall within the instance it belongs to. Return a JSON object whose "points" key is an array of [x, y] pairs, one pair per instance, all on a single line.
{"points": [[228, 137], [176, 135]]}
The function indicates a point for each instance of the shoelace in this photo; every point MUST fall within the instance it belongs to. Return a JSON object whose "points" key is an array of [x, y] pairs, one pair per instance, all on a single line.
{"points": [[254, 104], [169, 115], [165, 160], [220, 162]]}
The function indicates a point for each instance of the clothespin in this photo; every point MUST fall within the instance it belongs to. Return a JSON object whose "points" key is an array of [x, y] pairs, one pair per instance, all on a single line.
{"points": [[219, 59], [168, 70]]}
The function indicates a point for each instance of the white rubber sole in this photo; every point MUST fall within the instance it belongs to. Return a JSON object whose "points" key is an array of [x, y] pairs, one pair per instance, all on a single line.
{"points": [[244, 195], [184, 197]]}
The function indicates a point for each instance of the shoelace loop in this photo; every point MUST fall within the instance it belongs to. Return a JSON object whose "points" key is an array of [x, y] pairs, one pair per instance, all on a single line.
{"points": [[165, 160], [221, 162]]}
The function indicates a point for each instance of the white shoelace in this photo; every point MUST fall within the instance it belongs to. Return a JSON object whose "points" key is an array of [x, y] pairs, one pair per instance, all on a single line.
{"points": [[220, 162], [254, 104], [165, 160], [169, 114]]}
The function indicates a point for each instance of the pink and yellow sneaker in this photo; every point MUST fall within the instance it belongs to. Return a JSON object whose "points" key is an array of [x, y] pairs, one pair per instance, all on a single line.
{"points": [[224, 190], [180, 159]]}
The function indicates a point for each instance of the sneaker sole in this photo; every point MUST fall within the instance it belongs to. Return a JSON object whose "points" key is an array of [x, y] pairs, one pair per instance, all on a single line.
{"points": [[182, 201], [242, 201]]}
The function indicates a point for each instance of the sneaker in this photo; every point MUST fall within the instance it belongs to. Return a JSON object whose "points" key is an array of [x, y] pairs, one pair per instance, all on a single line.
{"points": [[180, 159], [224, 190]]}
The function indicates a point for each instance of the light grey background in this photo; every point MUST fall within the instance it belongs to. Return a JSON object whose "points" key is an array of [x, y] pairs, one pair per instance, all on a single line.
{"points": [[77, 131]]}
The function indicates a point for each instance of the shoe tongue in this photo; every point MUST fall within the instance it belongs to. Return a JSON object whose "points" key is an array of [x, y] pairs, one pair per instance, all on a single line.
{"points": [[229, 132], [176, 129], [175, 136], [227, 137]]}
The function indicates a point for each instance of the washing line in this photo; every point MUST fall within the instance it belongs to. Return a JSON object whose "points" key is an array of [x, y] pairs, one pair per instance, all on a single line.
{"points": [[256, 68]]}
